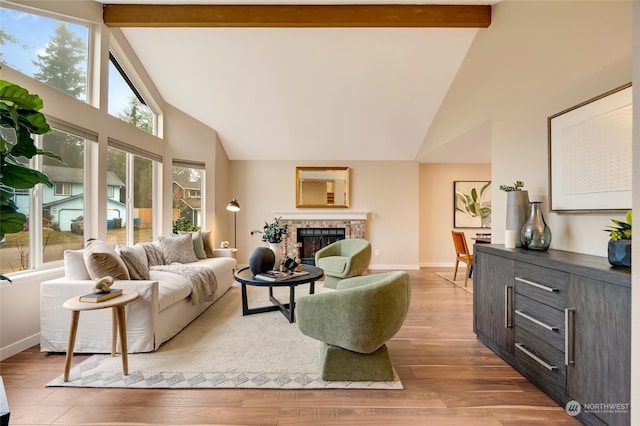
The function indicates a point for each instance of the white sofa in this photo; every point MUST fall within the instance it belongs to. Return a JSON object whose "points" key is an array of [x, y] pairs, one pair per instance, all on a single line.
{"points": [[163, 309]]}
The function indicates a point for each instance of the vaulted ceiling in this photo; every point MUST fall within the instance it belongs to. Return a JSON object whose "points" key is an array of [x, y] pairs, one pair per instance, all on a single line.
{"points": [[307, 92]]}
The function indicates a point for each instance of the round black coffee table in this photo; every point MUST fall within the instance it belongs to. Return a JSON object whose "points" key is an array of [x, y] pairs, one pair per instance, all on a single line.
{"points": [[245, 277]]}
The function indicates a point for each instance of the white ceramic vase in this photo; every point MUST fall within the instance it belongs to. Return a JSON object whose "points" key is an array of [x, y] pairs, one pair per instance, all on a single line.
{"points": [[277, 250]]}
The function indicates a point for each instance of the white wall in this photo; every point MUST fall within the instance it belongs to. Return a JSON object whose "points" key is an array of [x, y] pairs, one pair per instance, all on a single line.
{"points": [[436, 210], [537, 58], [386, 189]]}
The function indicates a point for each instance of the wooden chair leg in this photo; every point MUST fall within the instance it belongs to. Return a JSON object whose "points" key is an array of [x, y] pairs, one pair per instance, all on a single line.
{"points": [[466, 276], [455, 272]]}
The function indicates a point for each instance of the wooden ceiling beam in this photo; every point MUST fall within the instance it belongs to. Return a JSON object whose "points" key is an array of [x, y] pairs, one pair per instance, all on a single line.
{"points": [[360, 15]]}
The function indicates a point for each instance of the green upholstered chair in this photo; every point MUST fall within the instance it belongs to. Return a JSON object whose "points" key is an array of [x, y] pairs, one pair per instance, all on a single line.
{"points": [[343, 259], [354, 322]]}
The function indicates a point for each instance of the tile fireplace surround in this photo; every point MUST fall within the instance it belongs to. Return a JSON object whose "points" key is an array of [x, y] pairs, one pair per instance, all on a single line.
{"points": [[354, 223]]}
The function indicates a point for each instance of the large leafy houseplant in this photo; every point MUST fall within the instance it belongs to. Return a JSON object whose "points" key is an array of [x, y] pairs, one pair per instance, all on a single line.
{"points": [[20, 115]]}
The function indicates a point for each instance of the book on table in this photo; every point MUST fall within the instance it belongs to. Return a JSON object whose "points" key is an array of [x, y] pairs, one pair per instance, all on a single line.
{"points": [[101, 297], [274, 276]]}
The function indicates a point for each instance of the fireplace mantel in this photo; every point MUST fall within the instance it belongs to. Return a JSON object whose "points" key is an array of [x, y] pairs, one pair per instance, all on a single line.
{"points": [[322, 215]]}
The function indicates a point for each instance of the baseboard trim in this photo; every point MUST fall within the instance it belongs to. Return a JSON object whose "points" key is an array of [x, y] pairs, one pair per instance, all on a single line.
{"points": [[395, 267], [17, 347], [437, 264]]}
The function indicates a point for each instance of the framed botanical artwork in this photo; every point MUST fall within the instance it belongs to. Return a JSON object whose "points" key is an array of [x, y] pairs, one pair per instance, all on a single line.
{"points": [[590, 164], [471, 204]]}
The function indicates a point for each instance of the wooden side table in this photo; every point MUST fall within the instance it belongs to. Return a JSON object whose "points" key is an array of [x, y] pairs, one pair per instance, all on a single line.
{"points": [[118, 323]]}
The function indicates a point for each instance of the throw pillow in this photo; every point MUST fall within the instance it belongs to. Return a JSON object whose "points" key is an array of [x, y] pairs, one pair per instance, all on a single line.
{"points": [[153, 253], [102, 260], [178, 249], [198, 244], [136, 265], [206, 240], [74, 267]]}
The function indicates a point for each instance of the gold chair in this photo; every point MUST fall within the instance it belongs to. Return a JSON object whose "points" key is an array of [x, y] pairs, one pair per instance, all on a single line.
{"points": [[462, 254]]}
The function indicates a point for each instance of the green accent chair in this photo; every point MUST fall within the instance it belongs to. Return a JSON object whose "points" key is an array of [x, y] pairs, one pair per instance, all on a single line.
{"points": [[354, 322], [343, 259]]}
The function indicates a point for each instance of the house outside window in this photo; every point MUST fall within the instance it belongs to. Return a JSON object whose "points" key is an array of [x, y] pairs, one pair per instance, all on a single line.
{"points": [[188, 187], [62, 189]]}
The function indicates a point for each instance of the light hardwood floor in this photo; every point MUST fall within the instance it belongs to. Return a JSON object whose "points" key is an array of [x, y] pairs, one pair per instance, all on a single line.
{"points": [[449, 378]]}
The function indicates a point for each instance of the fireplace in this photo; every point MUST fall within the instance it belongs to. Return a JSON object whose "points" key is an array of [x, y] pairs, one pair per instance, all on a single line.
{"points": [[313, 239], [347, 224]]}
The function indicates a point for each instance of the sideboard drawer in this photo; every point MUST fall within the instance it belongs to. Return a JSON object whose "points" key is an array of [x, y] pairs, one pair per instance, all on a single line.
{"points": [[543, 284], [540, 362], [543, 321]]}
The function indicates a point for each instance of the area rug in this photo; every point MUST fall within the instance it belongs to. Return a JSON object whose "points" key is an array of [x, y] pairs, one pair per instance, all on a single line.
{"points": [[459, 281], [223, 349]]}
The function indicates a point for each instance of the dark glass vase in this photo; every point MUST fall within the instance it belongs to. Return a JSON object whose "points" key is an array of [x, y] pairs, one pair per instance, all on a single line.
{"points": [[619, 253], [535, 233]]}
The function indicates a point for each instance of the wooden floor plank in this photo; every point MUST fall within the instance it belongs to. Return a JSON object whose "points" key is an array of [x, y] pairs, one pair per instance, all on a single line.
{"points": [[449, 378]]}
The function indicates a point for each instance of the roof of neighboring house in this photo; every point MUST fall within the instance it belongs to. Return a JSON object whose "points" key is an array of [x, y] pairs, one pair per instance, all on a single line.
{"points": [[193, 203], [74, 197], [59, 174], [187, 184]]}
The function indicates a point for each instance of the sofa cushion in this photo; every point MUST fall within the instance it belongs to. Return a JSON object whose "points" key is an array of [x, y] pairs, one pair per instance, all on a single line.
{"points": [[198, 244], [172, 288], [135, 258], [178, 249], [206, 240], [74, 267], [101, 260]]}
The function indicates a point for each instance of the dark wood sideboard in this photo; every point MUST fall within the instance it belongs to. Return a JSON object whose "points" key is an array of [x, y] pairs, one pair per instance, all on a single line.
{"points": [[563, 320]]}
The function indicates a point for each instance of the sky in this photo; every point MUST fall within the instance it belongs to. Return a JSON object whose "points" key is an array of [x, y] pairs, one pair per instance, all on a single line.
{"points": [[33, 32]]}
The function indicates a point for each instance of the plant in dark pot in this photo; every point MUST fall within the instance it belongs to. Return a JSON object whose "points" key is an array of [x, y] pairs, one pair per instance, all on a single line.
{"points": [[273, 233], [619, 247]]}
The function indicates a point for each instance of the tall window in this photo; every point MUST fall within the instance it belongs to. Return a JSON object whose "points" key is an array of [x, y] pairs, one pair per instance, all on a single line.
{"points": [[188, 182], [52, 51], [125, 101], [130, 182], [55, 215]]}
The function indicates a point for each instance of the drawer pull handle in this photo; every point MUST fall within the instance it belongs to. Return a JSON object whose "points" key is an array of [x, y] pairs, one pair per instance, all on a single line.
{"points": [[535, 357], [540, 286], [569, 336], [508, 295], [536, 321]]}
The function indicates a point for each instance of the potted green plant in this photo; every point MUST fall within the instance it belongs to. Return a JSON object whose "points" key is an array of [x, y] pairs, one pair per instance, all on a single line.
{"points": [[619, 246], [21, 117], [273, 232], [517, 208]]}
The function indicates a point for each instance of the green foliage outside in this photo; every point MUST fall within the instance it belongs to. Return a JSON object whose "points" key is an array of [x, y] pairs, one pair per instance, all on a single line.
{"points": [[184, 224], [58, 64]]}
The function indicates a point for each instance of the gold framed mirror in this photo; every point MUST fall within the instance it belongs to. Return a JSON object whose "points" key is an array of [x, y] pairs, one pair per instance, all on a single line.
{"points": [[322, 187]]}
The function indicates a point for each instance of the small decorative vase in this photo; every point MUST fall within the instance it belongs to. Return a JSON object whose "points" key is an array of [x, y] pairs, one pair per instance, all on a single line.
{"points": [[277, 251], [619, 253], [535, 233], [517, 212]]}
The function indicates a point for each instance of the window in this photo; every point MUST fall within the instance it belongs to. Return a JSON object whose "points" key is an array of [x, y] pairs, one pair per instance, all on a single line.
{"points": [[130, 179], [188, 181], [62, 189], [52, 51], [125, 101], [55, 217]]}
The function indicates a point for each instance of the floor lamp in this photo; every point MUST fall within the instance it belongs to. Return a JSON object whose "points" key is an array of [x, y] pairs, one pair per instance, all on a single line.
{"points": [[234, 207]]}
